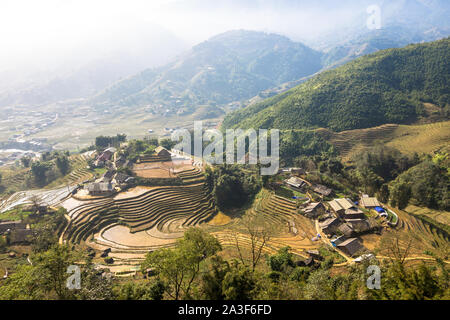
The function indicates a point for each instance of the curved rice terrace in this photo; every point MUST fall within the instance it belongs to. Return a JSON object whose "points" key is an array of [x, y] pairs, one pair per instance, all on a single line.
{"points": [[144, 219], [136, 221], [420, 235], [54, 193], [288, 227]]}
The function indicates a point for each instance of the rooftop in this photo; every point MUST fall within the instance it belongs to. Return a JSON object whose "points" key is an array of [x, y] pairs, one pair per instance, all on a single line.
{"points": [[369, 202], [295, 182], [351, 245], [341, 204]]}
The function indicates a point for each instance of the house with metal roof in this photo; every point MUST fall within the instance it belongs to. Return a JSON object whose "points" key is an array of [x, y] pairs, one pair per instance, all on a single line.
{"points": [[351, 246], [101, 188], [353, 213], [369, 202], [314, 210], [322, 190], [329, 226], [340, 205], [295, 182]]}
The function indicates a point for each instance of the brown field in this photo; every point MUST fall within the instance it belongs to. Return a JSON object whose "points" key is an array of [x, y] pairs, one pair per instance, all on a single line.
{"points": [[123, 236], [161, 169]]}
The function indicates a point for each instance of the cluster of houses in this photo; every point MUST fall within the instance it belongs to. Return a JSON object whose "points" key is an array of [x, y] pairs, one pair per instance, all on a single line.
{"points": [[105, 158], [341, 220], [107, 183], [16, 232], [298, 184]]}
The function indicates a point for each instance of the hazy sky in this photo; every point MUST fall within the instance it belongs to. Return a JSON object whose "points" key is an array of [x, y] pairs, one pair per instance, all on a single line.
{"points": [[47, 32]]}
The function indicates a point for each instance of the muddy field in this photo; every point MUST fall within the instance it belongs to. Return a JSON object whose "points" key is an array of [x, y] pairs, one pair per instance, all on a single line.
{"points": [[162, 169], [123, 236]]}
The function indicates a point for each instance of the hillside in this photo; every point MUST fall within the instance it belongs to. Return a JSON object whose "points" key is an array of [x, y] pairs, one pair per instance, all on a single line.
{"points": [[389, 86], [229, 67]]}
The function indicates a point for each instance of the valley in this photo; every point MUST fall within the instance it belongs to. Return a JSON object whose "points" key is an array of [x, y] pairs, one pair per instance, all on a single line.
{"points": [[355, 101]]}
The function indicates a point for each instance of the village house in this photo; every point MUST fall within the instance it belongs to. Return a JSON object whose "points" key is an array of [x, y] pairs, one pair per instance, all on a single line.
{"points": [[369, 202], [359, 225], [308, 262], [353, 213], [120, 162], [337, 240], [122, 178], [329, 226], [106, 155], [11, 225], [315, 254], [162, 152], [339, 206], [107, 177], [100, 188], [314, 210], [295, 182], [351, 247], [346, 230], [297, 171], [322, 190]]}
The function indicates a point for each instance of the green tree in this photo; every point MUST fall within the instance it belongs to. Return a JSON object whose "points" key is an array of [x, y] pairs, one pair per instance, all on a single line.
{"points": [[63, 164], [51, 267], [239, 283], [383, 193], [212, 281], [23, 284], [400, 195], [39, 170], [180, 267], [26, 161]]}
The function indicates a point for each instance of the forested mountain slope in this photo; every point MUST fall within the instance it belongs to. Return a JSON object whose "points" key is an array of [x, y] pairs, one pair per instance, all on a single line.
{"points": [[229, 67], [389, 86]]}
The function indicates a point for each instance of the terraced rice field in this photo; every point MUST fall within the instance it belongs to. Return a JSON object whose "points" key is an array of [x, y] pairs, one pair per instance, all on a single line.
{"points": [[15, 178], [79, 171], [438, 215], [55, 193], [161, 169], [52, 197], [289, 227], [423, 138], [345, 141], [422, 235], [141, 219]]}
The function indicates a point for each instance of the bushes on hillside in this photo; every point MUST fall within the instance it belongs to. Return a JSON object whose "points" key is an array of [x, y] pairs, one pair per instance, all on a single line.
{"points": [[425, 184], [231, 187]]}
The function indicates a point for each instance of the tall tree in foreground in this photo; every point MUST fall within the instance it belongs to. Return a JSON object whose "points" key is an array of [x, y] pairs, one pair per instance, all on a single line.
{"points": [[180, 267]]}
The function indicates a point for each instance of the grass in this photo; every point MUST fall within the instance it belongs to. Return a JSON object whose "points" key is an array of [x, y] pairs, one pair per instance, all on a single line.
{"points": [[392, 218], [327, 252], [100, 171], [14, 214], [288, 193]]}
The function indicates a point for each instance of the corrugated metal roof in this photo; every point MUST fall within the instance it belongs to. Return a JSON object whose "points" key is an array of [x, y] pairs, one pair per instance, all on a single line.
{"points": [[369, 202]]}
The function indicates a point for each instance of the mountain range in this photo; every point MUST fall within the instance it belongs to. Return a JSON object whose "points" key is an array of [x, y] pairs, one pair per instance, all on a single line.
{"points": [[389, 86]]}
